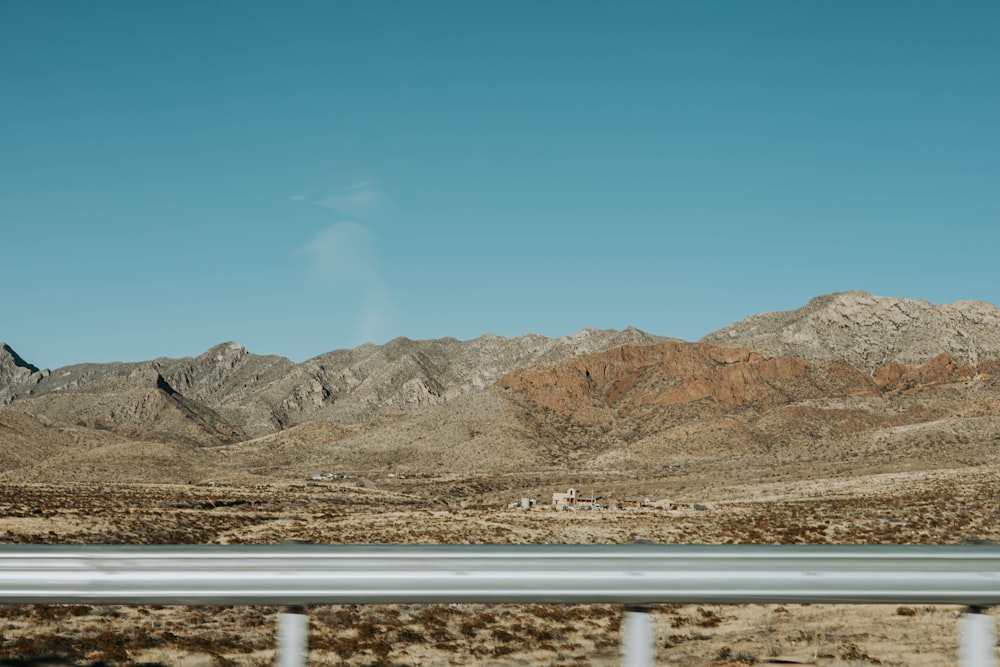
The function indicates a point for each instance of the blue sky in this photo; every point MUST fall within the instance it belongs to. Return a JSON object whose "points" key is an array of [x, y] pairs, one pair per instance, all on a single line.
{"points": [[306, 176]]}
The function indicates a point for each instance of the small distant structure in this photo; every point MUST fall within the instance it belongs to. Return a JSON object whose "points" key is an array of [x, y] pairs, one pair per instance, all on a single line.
{"points": [[565, 500], [527, 503], [631, 503], [572, 500], [642, 503], [327, 476]]}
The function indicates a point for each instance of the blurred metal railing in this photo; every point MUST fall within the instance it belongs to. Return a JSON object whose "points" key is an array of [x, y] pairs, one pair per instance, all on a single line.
{"points": [[639, 574]]}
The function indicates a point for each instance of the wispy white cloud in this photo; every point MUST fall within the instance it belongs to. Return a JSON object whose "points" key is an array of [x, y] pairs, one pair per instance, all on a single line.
{"points": [[342, 253], [298, 197], [344, 257], [356, 200]]}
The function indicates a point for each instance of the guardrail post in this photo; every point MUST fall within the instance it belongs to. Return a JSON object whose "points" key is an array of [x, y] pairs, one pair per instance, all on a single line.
{"points": [[977, 639], [638, 638], [293, 638]]}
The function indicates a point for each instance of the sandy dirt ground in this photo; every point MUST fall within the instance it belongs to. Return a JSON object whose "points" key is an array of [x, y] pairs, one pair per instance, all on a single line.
{"points": [[942, 506]]}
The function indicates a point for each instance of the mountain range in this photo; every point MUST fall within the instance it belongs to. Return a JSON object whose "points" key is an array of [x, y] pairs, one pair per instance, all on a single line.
{"points": [[848, 378]]}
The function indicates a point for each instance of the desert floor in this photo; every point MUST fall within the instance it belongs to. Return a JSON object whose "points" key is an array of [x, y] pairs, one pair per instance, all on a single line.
{"points": [[947, 506]]}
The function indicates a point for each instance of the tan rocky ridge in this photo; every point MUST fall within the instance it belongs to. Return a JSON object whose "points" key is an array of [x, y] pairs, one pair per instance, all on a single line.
{"points": [[229, 394], [871, 331]]}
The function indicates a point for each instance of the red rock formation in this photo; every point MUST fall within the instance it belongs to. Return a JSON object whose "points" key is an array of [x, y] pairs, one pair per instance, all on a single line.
{"points": [[632, 380], [942, 369]]}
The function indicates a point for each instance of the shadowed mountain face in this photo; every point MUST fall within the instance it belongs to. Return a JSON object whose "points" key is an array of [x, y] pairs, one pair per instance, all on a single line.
{"points": [[11, 365], [597, 400], [14, 372]]}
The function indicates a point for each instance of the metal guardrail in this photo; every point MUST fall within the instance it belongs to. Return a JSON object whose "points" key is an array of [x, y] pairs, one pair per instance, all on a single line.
{"points": [[638, 574], [628, 574]]}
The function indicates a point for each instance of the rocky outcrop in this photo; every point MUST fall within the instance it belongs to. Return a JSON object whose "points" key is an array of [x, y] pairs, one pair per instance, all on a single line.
{"points": [[12, 366], [226, 374], [635, 381], [231, 380], [16, 375], [941, 370], [871, 331]]}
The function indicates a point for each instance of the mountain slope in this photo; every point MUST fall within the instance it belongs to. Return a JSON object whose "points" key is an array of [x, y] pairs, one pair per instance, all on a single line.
{"points": [[139, 406], [257, 395], [27, 439], [404, 374], [643, 409], [870, 331]]}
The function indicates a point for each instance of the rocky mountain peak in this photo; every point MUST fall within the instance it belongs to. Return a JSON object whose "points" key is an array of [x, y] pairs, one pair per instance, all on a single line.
{"points": [[11, 362], [870, 331], [15, 374], [226, 354]]}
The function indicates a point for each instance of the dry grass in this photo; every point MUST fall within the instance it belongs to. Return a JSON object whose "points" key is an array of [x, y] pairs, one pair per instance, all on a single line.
{"points": [[483, 635], [940, 507]]}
